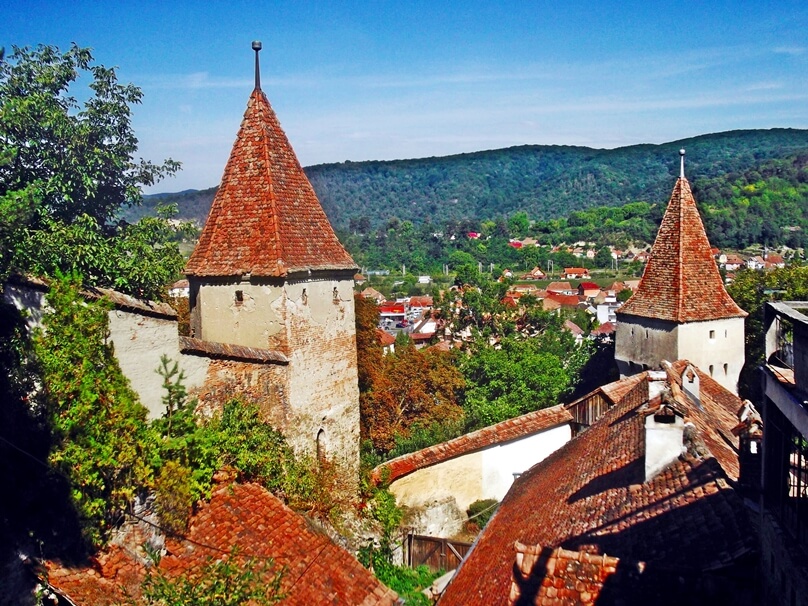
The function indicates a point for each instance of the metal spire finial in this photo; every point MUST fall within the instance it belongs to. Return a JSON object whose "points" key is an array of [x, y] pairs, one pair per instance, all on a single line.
{"points": [[682, 161], [256, 46]]}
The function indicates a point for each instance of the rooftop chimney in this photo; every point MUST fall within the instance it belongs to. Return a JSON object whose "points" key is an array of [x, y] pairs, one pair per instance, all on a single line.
{"points": [[664, 437]]}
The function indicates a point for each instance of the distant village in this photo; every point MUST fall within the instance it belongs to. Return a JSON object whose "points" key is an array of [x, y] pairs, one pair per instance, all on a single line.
{"points": [[662, 487]]}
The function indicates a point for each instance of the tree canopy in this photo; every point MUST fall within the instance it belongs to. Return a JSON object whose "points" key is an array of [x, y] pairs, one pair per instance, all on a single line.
{"points": [[69, 167]]}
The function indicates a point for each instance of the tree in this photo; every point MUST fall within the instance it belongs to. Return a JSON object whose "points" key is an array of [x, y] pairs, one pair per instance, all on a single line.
{"points": [[751, 289], [520, 375], [233, 580], [413, 387], [67, 169], [102, 442]]}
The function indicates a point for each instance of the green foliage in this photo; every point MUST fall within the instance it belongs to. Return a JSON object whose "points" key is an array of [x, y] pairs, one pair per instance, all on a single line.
{"points": [[481, 510], [233, 580], [174, 496], [66, 170], [102, 441], [751, 290], [519, 376], [422, 435], [405, 581], [237, 438]]}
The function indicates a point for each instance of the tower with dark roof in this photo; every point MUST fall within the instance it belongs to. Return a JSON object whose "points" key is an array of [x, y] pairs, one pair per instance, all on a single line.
{"points": [[270, 274], [681, 309]]}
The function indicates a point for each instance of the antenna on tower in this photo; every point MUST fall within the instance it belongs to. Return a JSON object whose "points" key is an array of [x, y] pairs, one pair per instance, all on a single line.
{"points": [[681, 159], [256, 46]]}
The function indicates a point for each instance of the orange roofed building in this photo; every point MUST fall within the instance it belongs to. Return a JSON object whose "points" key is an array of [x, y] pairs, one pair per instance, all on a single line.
{"points": [[314, 569], [643, 507], [270, 279], [681, 309]]}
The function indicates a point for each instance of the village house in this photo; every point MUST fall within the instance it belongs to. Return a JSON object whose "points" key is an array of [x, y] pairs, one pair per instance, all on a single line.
{"points": [[561, 288], [576, 273], [375, 295], [640, 507], [588, 290], [534, 274], [733, 262]]}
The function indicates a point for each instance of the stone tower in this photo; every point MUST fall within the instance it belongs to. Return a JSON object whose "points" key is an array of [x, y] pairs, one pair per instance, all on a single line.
{"points": [[681, 309], [271, 290]]}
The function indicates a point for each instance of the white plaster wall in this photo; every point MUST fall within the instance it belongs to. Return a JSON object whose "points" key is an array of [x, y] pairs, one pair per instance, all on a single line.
{"points": [[140, 342], [501, 462], [663, 444], [485, 474], [644, 341], [323, 385], [252, 323], [726, 347], [461, 478]]}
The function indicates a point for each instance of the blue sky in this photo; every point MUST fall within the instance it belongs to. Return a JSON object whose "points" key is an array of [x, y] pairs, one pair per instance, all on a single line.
{"points": [[382, 80]]}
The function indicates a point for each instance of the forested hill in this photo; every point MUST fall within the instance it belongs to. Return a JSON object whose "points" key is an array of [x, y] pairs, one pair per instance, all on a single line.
{"points": [[546, 181]]}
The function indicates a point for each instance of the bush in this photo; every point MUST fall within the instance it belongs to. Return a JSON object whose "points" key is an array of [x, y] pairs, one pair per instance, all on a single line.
{"points": [[480, 511]]}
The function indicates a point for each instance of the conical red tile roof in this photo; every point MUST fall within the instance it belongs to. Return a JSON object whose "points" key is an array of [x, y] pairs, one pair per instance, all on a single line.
{"points": [[681, 282], [265, 220]]}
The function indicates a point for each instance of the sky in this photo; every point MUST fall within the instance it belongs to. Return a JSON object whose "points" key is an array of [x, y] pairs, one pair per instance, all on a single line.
{"points": [[380, 80]]}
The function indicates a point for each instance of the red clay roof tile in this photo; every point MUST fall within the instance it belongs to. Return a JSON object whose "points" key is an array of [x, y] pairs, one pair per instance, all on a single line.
{"points": [[501, 433], [681, 282], [265, 219], [591, 495], [316, 570]]}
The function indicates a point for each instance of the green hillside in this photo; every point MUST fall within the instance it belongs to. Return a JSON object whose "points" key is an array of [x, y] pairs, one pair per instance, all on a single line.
{"points": [[545, 181]]}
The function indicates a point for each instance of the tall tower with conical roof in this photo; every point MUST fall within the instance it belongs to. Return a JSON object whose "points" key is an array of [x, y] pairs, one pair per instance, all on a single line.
{"points": [[270, 281], [681, 309]]}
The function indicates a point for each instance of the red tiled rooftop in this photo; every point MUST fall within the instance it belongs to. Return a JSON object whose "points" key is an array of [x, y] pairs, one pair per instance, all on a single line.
{"points": [[384, 337], [559, 287], [316, 570], [265, 220], [503, 432], [560, 577], [591, 495], [681, 282]]}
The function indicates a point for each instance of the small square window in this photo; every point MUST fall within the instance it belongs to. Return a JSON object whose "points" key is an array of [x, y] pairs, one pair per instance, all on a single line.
{"points": [[239, 297], [712, 334]]}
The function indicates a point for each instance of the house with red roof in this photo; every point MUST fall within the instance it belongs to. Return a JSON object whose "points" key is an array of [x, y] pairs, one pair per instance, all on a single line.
{"points": [[641, 507], [534, 274], [575, 273], [588, 289], [372, 293], [562, 288], [314, 569], [681, 308], [478, 465], [270, 277]]}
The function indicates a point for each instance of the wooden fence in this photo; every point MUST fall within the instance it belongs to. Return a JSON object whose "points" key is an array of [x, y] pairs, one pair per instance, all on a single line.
{"points": [[434, 553]]}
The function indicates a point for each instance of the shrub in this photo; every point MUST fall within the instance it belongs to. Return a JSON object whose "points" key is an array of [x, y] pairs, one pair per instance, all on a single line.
{"points": [[480, 511]]}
